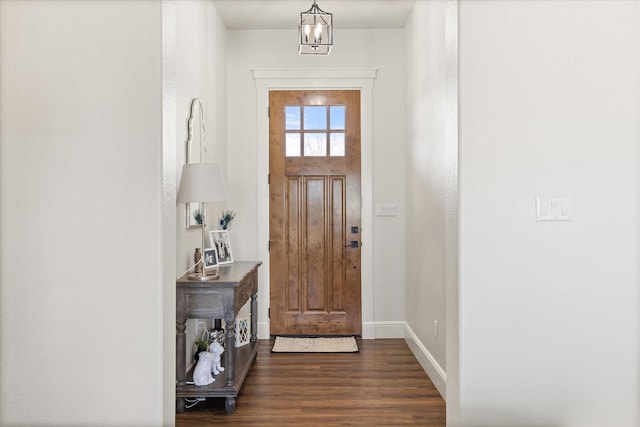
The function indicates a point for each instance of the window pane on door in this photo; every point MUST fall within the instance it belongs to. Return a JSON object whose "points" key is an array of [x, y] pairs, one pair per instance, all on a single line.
{"points": [[336, 117], [292, 145], [315, 144], [337, 144], [292, 117], [315, 117]]}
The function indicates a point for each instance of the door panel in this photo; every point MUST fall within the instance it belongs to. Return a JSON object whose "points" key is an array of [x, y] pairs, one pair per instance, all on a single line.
{"points": [[314, 162]]}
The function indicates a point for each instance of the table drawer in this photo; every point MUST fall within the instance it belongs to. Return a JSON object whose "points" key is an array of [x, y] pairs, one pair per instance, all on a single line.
{"points": [[204, 305]]}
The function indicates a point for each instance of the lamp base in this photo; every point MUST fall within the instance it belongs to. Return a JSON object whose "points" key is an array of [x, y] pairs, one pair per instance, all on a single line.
{"points": [[201, 277]]}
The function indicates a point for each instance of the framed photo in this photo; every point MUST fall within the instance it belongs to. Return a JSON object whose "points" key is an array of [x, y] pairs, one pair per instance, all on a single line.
{"points": [[210, 258], [194, 212], [220, 240]]}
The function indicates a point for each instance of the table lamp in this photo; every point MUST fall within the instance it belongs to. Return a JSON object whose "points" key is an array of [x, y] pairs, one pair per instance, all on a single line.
{"points": [[202, 183]]}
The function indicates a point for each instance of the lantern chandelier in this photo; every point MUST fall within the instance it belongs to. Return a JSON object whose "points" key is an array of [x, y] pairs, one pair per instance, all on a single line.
{"points": [[315, 31]]}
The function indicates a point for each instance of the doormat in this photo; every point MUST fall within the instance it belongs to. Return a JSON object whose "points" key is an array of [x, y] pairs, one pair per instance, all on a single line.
{"points": [[315, 345]]}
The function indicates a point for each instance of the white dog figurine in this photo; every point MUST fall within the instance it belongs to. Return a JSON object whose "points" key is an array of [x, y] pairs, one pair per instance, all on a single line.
{"points": [[216, 349], [202, 371]]}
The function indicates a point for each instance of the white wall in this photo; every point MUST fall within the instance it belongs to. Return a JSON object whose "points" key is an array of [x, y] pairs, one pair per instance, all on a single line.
{"points": [[431, 174], [200, 60], [549, 327], [80, 167], [380, 49]]}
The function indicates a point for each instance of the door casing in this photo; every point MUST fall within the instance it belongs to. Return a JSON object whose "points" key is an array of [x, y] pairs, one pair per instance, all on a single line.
{"points": [[361, 79]]}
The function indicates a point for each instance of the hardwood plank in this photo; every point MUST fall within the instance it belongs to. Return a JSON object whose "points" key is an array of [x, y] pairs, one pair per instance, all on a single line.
{"points": [[383, 384]]}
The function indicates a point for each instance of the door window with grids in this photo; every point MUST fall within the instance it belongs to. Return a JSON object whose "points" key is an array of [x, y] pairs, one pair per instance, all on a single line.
{"points": [[315, 130]]}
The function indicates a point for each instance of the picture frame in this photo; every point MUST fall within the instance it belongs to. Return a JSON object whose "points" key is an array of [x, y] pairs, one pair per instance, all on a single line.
{"points": [[192, 207], [210, 258], [219, 239]]}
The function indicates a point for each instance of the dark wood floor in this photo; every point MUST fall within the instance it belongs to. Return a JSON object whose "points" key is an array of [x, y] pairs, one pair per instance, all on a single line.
{"points": [[382, 385]]}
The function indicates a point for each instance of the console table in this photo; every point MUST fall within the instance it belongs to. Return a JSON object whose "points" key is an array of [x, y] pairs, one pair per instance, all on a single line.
{"points": [[217, 299]]}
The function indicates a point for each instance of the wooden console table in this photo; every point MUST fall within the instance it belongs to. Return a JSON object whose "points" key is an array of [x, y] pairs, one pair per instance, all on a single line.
{"points": [[217, 299]]}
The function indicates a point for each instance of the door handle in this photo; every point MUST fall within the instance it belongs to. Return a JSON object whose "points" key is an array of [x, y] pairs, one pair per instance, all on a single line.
{"points": [[353, 244]]}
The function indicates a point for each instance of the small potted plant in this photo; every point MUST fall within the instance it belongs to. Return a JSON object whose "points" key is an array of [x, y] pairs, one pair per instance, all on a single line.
{"points": [[197, 215], [226, 219], [201, 345]]}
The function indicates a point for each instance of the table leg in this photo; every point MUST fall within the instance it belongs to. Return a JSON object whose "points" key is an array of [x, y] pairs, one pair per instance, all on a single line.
{"points": [[230, 405], [254, 317], [230, 344], [181, 405], [181, 363]]}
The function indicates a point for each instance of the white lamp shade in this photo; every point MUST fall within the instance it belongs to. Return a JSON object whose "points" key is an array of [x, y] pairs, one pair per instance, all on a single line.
{"points": [[202, 182]]}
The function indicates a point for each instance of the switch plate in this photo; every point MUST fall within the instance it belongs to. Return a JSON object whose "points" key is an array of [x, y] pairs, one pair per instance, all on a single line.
{"points": [[386, 209], [553, 209]]}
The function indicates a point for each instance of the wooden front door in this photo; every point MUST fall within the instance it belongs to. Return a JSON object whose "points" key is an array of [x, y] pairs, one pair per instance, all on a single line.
{"points": [[314, 209]]}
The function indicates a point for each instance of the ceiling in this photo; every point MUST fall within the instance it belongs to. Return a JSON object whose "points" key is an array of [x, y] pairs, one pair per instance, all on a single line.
{"points": [[284, 14]]}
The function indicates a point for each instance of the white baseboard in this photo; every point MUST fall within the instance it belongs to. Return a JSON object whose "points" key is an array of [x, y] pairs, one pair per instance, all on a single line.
{"points": [[368, 330], [263, 331], [433, 369], [381, 330]]}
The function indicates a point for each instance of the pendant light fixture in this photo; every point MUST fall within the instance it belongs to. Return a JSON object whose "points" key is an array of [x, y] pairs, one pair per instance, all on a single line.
{"points": [[315, 31]]}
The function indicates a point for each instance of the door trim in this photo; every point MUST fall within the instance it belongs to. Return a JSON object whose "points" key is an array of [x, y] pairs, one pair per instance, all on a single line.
{"points": [[361, 79]]}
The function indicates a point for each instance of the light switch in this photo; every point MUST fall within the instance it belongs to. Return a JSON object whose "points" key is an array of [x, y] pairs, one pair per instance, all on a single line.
{"points": [[386, 210], [553, 209]]}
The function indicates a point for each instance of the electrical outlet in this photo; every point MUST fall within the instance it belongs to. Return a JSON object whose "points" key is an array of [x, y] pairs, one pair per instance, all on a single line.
{"points": [[435, 328], [553, 209], [387, 209]]}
